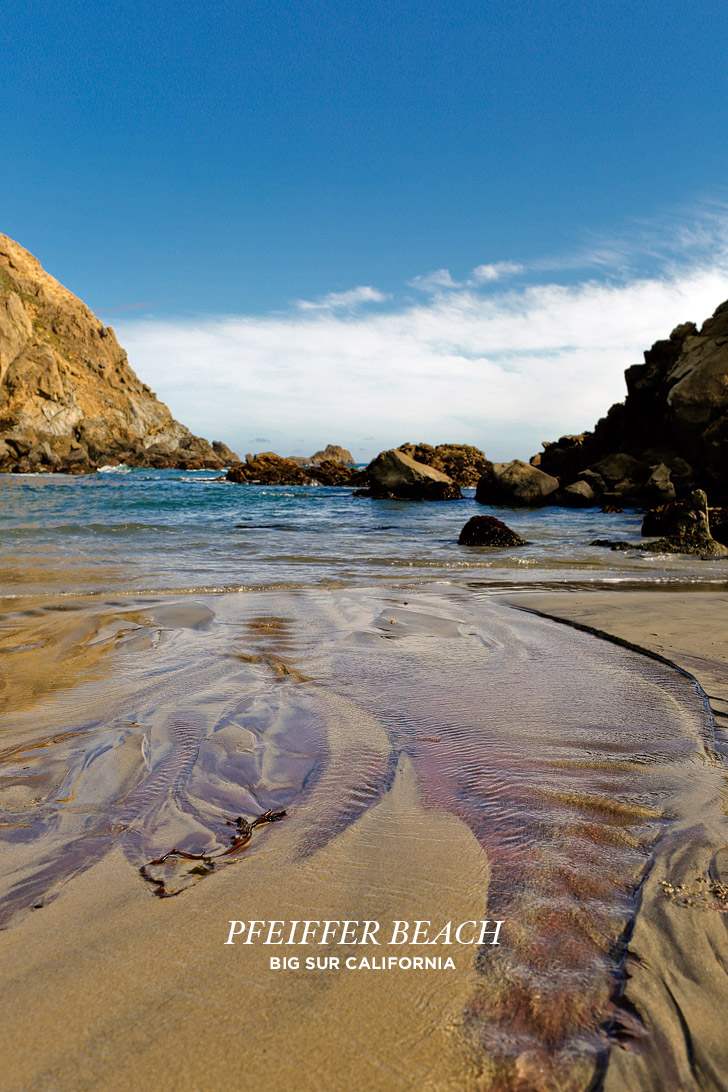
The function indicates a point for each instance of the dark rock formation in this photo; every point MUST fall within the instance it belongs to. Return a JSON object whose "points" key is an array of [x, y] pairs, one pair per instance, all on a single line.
{"points": [[267, 468], [332, 472], [704, 548], [687, 517], [579, 494], [696, 545], [489, 531], [395, 475], [464, 464], [515, 484], [719, 524], [615, 544], [685, 528], [68, 399], [671, 432]]}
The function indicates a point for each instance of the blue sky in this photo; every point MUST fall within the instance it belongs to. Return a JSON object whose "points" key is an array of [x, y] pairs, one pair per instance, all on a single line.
{"points": [[236, 169]]}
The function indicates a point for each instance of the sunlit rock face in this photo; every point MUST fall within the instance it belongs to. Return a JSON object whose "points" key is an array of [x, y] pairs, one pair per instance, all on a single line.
{"points": [[68, 397]]}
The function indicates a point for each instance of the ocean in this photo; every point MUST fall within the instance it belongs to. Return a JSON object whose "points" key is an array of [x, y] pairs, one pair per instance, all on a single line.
{"points": [[147, 530]]}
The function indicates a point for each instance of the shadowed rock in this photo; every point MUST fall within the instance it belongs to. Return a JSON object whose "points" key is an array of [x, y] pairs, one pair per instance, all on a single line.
{"points": [[577, 495], [696, 545], [515, 484], [685, 528], [489, 531], [673, 422], [688, 517]]}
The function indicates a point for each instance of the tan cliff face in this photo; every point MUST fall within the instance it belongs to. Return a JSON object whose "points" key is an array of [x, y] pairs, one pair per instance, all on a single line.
{"points": [[68, 398]]}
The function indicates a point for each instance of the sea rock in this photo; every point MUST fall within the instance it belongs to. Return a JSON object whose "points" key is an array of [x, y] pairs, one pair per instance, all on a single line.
{"points": [[659, 486], [680, 518], [489, 531], [614, 544], [719, 524], [464, 464], [223, 452], [696, 545], [397, 476], [685, 527], [331, 472], [579, 494], [332, 453], [267, 468], [562, 457], [675, 412], [68, 399], [515, 484]]}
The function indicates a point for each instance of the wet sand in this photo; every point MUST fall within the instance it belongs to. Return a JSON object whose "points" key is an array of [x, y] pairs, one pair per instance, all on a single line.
{"points": [[439, 756], [677, 961]]}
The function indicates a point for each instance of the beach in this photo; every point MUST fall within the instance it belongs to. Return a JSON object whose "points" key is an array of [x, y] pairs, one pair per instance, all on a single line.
{"points": [[442, 754], [364, 548], [677, 953]]}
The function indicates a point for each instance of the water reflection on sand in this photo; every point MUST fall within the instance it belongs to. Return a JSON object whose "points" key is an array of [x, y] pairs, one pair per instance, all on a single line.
{"points": [[438, 755]]}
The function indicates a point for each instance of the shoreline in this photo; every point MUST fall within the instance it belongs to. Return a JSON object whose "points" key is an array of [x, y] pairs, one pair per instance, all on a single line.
{"points": [[685, 625]]}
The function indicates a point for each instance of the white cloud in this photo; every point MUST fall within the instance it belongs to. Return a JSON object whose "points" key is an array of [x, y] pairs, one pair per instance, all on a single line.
{"points": [[343, 301], [495, 271], [503, 370], [436, 281]]}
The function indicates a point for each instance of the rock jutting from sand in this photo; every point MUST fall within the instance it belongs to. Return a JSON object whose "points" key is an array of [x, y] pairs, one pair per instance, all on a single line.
{"points": [[68, 399]]}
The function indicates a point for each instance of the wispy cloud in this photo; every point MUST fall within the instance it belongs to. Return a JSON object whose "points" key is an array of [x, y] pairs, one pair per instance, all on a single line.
{"points": [[350, 300], [436, 281], [478, 361], [495, 271]]}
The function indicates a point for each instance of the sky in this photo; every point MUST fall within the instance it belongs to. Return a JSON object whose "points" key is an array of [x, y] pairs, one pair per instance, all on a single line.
{"points": [[370, 223]]}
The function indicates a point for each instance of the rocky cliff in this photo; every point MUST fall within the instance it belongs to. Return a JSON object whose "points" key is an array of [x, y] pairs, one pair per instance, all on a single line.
{"points": [[668, 436], [68, 398]]}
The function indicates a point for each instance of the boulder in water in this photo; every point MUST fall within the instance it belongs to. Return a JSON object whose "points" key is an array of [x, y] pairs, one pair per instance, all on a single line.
{"points": [[686, 517], [463, 463], [489, 531], [516, 484], [394, 475]]}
